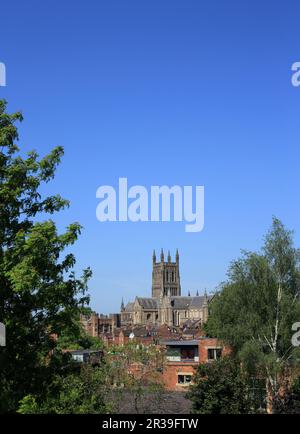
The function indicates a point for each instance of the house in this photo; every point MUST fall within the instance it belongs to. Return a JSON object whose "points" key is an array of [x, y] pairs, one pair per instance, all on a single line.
{"points": [[86, 356], [184, 356]]}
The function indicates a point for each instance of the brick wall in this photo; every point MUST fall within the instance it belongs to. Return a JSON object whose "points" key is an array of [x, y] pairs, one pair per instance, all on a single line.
{"points": [[173, 369], [171, 372], [210, 343]]}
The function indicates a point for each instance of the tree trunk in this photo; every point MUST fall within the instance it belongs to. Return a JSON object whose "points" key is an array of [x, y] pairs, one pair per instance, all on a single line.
{"points": [[269, 396]]}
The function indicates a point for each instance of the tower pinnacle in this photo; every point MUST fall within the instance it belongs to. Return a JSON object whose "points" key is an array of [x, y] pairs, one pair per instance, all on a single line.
{"points": [[205, 298]]}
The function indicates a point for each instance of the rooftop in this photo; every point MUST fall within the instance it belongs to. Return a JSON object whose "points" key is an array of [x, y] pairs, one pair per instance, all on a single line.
{"points": [[188, 342]]}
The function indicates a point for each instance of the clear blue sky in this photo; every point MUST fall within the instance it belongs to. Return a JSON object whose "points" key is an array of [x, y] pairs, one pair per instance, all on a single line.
{"points": [[162, 92]]}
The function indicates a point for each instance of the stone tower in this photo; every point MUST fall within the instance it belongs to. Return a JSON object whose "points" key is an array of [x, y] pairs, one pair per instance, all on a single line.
{"points": [[165, 276]]}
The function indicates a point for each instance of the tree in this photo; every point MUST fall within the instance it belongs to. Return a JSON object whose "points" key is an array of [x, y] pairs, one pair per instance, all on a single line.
{"points": [[39, 292], [221, 387], [256, 307], [74, 339], [288, 402], [135, 372], [83, 392]]}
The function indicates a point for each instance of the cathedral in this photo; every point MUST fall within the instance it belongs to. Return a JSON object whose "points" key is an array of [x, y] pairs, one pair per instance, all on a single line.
{"points": [[167, 305]]}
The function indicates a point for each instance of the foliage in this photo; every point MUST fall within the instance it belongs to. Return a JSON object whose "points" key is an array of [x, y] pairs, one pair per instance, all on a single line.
{"points": [[136, 371], [289, 401], [220, 387], [39, 292], [131, 373], [68, 340], [85, 392], [257, 306]]}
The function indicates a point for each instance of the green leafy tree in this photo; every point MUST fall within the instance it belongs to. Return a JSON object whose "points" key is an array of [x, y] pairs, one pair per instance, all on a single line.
{"points": [[221, 387], [39, 292], [135, 373], [71, 341], [256, 307], [75, 393], [288, 402]]}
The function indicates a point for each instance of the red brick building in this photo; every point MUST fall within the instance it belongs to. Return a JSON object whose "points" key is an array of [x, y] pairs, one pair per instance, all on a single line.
{"points": [[183, 357], [186, 347], [97, 325]]}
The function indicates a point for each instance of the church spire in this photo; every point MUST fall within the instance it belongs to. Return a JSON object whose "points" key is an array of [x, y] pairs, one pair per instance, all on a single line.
{"points": [[177, 256], [162, 256], [205, 307], [154, 257], [122, 305], [169, 256], [205, 298]]}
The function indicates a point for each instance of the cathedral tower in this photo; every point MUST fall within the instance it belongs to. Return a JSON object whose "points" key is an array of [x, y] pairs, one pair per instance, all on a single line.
{"points": [[165, 276]]}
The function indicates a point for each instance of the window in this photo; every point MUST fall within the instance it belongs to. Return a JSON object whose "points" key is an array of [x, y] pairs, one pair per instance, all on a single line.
{"points": [[214, 353], [184, 379], [188, 353], [77, 357]]}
